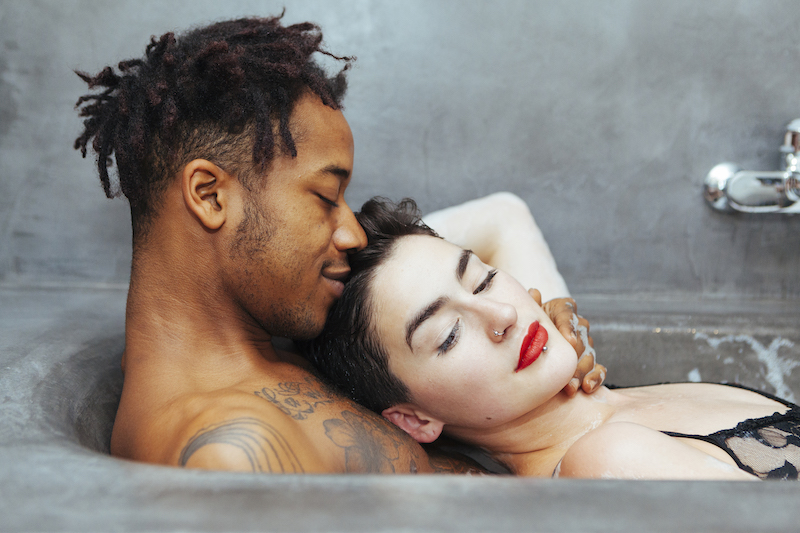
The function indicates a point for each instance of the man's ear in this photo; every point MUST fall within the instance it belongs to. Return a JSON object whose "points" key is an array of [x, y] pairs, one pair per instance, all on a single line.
{"points": [[206, 191], [420, 426]]}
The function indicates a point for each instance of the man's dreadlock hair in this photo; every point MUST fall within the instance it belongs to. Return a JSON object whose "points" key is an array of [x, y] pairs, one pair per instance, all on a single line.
{"points": [[218, 92]]}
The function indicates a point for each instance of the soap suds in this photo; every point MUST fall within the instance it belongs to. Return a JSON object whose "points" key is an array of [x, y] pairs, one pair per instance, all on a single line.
{"points": [[583, 333], [777, 367], [694, 376]]}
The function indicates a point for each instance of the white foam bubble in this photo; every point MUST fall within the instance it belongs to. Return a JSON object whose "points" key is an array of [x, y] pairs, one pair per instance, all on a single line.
{"points": [[777, 367], [583, 333], [694, 376]]}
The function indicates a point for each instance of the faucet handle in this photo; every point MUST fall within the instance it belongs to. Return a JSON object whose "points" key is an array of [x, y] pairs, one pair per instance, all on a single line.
{"points": [[791, 146], [729, 189], [715, 186]]}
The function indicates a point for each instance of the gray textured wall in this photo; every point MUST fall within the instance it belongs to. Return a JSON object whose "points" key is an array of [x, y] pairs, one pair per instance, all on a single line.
{"points": [[604, 116]]}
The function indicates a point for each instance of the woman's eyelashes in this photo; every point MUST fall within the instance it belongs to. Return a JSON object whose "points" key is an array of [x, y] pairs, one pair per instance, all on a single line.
{"points": [[487, 282], [451, 339]]}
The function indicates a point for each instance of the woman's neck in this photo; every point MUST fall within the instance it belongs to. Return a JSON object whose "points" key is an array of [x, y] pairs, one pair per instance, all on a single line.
{"points": [[533, 444]]}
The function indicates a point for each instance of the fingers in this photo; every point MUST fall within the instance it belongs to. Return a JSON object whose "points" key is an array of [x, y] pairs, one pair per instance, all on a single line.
{"points": [[568, 332], [589, 375], [594, 379], [562, 312], [583, 323], [536, 295], [572, 387], [585, 368], [586, 364]]}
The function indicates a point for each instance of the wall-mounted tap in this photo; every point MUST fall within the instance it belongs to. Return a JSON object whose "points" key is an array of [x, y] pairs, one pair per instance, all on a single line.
{"points": [[730, 189]]}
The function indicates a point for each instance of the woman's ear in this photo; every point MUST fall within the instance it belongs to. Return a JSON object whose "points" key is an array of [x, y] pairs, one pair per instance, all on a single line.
{"points": [[206, 188], [421, 427]]}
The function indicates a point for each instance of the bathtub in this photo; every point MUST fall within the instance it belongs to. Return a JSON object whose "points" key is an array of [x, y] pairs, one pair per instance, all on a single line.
{"points": [[60, 382]]}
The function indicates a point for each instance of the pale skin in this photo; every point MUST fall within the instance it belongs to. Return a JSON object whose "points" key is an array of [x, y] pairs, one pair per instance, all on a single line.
{"points": [[501, 231], [225, 269], [465, 381]]}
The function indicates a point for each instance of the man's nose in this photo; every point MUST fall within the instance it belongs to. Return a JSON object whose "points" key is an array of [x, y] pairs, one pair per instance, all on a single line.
{"points": [[349, 236]]}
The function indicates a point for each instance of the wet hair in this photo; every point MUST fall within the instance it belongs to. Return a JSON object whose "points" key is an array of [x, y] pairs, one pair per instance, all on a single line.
{"points": [[219, 92], [349, 353]]}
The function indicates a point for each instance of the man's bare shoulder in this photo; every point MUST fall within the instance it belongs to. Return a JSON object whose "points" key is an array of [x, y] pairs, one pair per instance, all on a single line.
{"points": [[251, 427], [288, 426], [251, 438]]}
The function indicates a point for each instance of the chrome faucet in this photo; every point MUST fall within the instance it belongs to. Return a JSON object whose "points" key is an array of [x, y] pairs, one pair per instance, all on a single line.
{"points": [[730, 189]]}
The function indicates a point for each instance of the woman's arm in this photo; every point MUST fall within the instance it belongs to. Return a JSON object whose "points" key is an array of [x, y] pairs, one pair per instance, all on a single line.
{"points": [[623, 450], [500, 229]]}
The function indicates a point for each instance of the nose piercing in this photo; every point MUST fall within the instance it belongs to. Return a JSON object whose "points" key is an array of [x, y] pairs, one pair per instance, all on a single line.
{"points": [[497, 333]]}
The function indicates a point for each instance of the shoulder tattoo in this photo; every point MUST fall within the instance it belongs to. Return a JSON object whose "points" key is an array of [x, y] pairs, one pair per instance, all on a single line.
{"points": [[265, 448], [297, 399], [370, 444]]}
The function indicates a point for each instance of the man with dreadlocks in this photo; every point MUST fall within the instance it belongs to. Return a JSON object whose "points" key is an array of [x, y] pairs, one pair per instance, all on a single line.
{"points": [[233, 153]]}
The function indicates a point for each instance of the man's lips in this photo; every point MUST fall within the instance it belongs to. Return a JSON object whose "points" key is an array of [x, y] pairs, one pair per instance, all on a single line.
{"points": [[532, 346], [336, 279]]}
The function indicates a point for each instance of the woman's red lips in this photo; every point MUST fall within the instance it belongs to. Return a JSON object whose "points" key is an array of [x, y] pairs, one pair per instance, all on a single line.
{"points": [[532, 346]]}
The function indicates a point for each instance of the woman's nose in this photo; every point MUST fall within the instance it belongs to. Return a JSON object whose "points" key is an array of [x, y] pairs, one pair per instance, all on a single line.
{"points": [[498, 317]]}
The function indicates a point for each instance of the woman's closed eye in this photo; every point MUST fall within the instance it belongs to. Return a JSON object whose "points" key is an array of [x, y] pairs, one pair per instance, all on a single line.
{"points": [[451, 339], [487, 282]]}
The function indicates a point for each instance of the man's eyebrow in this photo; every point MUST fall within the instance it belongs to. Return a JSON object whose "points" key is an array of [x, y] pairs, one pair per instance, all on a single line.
{"points": [[433, 308], [341, 173], [422, 316]]}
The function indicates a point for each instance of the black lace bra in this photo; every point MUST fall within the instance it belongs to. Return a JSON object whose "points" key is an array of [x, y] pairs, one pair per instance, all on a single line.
{"points": [[767, 447]]}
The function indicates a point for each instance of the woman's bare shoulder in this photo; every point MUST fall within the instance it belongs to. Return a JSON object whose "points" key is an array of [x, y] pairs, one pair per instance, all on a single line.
{"points": [[625, 450]]}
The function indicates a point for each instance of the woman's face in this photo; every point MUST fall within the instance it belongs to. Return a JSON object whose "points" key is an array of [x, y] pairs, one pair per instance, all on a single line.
{"points": [[437, 308]]}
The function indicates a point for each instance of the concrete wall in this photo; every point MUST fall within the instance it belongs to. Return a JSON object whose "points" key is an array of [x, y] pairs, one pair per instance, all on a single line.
{"points": [[604, 116]]}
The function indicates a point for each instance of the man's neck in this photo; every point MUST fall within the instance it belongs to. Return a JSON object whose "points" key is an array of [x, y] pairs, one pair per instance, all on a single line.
{"points": [[182, 318]]}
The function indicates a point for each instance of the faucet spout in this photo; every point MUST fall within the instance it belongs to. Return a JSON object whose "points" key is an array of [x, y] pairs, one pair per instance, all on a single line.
{"points": [[730, 189]]}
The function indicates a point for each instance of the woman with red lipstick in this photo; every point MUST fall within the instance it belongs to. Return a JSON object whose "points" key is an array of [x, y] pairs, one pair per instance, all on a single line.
{"points": [[438, 342]]}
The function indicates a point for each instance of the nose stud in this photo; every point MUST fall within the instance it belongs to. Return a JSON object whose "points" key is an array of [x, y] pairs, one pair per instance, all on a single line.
{"points": [[497, 333]]}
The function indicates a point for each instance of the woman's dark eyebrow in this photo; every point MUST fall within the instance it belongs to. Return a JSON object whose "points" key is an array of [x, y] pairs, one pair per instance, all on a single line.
{"points": [[463, 261], [422, 316], [434, 307]]}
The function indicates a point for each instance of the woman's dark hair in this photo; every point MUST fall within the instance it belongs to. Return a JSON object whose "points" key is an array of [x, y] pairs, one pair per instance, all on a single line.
{"points": [[217, 92], [349, 353]]}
